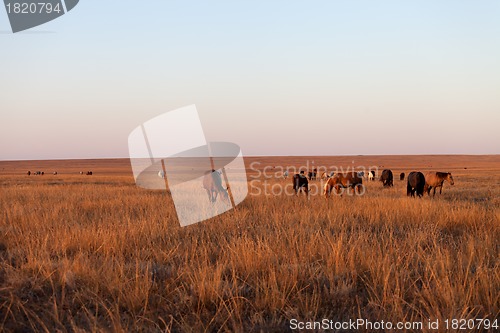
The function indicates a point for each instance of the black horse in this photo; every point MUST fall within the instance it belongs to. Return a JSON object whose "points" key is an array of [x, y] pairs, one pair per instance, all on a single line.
{"points": [[300, 182]]}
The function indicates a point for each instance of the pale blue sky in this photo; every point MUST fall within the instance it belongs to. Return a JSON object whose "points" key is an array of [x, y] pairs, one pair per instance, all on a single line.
{"points": [[276, 77]]}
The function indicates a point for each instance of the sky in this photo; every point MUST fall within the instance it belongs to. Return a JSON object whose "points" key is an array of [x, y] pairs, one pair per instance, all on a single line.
{"points": [[275, 77]]}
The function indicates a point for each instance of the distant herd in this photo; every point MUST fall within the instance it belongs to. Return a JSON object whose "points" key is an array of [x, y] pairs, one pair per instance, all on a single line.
{"points": [[41, 173], [417, 182]]}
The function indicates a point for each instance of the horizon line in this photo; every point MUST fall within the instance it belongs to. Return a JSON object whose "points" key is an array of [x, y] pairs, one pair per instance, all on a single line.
{"points": [[341, 155]]}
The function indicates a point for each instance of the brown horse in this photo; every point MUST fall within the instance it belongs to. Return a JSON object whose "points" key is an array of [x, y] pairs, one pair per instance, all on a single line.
{"points": [[387, 178], [341, 181], [436, 179], [415, 183]]}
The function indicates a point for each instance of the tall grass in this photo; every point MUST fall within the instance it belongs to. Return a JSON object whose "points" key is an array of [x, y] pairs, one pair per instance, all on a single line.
{"points": [[99, 254]]}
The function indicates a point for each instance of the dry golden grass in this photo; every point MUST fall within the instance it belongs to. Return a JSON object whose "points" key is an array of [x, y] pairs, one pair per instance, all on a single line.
{"points": [[96, 253]]}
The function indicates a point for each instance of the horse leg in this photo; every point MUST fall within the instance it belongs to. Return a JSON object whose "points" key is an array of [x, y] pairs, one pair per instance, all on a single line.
{"points": [[326, 192], [340, 189], [357, 189]]}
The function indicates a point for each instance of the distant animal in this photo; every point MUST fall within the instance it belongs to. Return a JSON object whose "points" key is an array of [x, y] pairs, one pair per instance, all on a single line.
{"points": [[43, 173], [415, 183], [29, 173], [371, 175], [81, 172], [300, 183], [436, 179], [55, 173], [387, 178], [402, 176], [161, 174], [212, 183], [285, 174], [312, 174], [89, 173], [340, 181]]}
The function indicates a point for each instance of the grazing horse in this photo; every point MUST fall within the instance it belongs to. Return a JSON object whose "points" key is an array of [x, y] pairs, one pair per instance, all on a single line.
{"points": [[161, 174], [300, 183], [415, 183], [371, 175], [89, 173], [387, 178], [341, 181], [324, 176], [212, 183], [55, 173], [29, 173], [436, 179], [285, 174], [402, 176], [312, 174]]}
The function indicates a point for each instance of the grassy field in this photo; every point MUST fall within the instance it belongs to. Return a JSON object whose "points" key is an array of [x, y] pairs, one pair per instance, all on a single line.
{"points": [[96, 253]]}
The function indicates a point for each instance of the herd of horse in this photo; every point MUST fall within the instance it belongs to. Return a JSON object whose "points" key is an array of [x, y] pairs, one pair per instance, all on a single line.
{"points": [[417, 182]]}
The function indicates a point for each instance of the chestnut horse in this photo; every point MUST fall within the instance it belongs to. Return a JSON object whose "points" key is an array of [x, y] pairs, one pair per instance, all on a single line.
{"points": [[341, 181], [436, 179]]}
